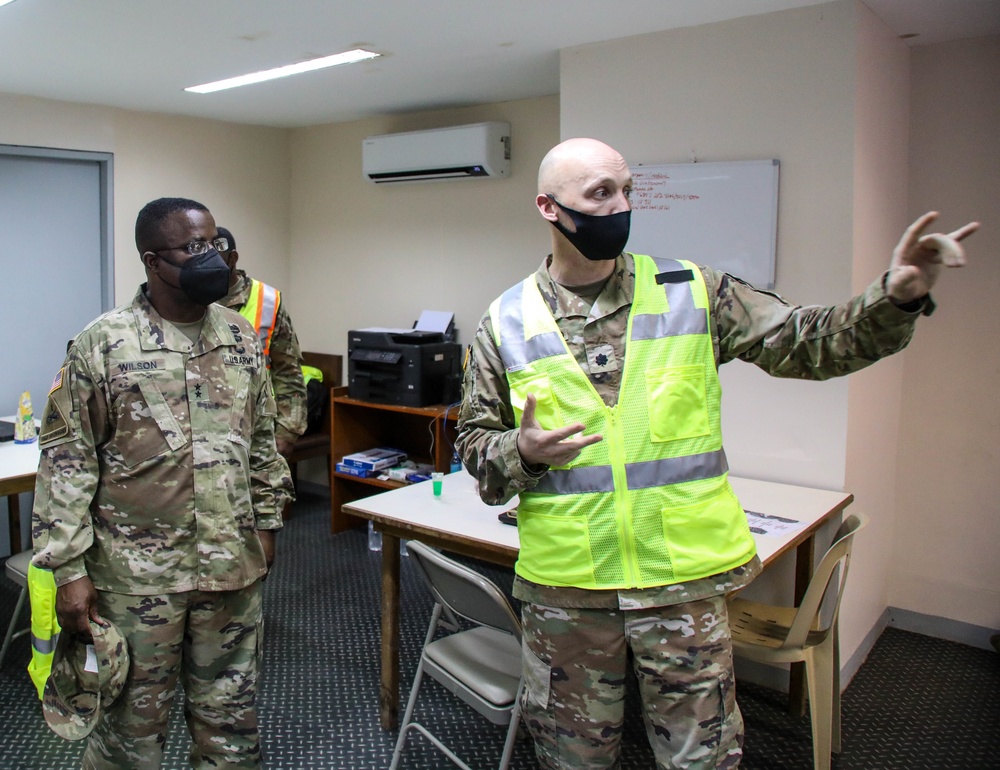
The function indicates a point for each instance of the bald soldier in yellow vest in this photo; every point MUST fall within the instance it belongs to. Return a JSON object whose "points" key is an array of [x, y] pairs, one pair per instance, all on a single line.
{"points": [[593, 392], [261, 305]]}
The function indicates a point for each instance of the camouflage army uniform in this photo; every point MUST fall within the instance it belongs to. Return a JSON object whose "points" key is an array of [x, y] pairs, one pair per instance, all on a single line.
{"points": [[158, 469], [286, 364], [575, 640]]}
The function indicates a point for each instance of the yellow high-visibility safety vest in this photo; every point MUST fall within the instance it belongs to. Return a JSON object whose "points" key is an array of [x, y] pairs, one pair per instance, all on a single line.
{"points": [[311, 373], [44, 626], [651, 504], [261, 309]]}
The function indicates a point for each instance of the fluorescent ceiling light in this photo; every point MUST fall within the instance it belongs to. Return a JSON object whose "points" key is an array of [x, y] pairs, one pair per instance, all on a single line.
{"points": [[348, 57]]}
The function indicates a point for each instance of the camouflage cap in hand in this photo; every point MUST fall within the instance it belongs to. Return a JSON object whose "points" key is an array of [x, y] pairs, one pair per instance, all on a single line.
{"points": [[84, 681]]}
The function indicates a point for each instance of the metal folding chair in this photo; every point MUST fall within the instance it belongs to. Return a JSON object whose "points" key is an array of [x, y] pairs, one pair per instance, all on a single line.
{"points": [[17, 570], [480, 665]]}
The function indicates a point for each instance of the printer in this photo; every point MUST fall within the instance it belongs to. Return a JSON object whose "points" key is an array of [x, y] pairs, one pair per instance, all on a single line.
{"points": [[403, 367]]}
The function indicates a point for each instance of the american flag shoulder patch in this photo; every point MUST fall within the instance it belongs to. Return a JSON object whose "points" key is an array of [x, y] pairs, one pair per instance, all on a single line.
{"points": [[57, 381]]}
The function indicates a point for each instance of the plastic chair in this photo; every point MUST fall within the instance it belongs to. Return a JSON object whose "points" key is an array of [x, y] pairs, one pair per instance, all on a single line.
{"points": [[17, 570], [480, 665], [800, 634]]}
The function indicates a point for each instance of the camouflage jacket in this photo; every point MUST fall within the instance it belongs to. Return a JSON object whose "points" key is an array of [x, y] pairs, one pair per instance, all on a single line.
{"points": [[745, 323], [158, 458], [286, 364]]}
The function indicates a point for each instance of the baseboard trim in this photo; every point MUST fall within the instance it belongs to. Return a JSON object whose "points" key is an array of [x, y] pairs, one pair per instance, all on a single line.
{"points": [[941, 628], [849, 668]]}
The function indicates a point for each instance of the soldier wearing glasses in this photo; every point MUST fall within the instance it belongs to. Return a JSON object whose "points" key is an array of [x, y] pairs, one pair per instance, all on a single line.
{"points": [[159, 493]]}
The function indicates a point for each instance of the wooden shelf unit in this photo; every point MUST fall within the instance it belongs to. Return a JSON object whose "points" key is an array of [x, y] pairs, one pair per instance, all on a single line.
{"points": [[427, 435]]}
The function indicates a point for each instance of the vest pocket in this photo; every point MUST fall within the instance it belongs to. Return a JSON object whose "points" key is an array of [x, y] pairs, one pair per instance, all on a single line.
{"points": [[677, 400], [707, 538], [555, 549], [547, 410]]}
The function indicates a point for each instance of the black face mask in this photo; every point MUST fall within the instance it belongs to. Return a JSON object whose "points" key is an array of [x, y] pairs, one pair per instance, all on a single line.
{"points": [[205, 278], [596, 237]]}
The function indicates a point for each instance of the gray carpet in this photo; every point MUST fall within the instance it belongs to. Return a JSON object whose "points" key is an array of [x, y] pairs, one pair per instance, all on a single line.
{"points": [[916, 703]]}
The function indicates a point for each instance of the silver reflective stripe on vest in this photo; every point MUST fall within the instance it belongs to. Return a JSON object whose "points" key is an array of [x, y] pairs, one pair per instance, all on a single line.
{"points": [[678, 294], [644, 475], [576, 481], [675, 470], [672, 324], [683, 317], [44, 646], [268, 308], [515, 351]]}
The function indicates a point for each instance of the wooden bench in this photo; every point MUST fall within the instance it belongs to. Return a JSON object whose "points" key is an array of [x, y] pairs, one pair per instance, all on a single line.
{"points": [[317, 444]]}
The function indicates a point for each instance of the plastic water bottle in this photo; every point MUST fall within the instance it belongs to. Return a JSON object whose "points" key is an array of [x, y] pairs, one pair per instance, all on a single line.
{"points": [[456, 464], [374, 538]]}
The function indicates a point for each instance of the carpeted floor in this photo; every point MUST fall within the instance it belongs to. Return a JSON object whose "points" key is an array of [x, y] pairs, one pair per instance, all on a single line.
{"points": [[916, 703]]}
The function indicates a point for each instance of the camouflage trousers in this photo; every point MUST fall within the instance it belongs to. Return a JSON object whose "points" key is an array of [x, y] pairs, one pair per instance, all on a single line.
{"points": [[211, 642], [575, 665]]}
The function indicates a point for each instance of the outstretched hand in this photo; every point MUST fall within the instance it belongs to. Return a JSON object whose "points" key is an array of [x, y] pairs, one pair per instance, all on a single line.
{"points": [[917, 259], [549, 447]]}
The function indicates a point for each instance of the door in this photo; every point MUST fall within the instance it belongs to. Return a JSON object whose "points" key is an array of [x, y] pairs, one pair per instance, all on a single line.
{"points": [[55, 262]]}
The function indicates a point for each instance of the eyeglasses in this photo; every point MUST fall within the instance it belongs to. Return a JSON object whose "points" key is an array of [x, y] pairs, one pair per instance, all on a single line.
{"points": [[197, 248]]}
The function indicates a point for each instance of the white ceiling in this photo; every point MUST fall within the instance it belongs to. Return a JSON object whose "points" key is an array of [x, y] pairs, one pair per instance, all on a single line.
{"points": [[141, 54]]}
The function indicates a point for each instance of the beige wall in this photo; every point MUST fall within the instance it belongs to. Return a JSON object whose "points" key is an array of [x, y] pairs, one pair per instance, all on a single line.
{"points": [[881, 125], [946, 558], [772, 86], [377, 255], [240, 172]]}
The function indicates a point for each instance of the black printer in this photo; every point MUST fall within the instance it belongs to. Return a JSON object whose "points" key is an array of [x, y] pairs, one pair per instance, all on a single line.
{"points": [[407, 368]]}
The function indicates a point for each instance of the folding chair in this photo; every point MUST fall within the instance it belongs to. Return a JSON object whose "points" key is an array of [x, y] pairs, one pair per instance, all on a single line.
{"points": [[17, 570], [795, 634], [480, 665]]}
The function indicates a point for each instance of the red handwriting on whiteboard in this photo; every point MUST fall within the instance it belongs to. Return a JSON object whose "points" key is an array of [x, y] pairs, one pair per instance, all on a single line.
{"points": [[650, 192], [658, 200]]}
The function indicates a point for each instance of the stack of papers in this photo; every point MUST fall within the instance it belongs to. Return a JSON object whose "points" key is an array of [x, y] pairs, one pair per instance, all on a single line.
{"points": [[374, 459]]}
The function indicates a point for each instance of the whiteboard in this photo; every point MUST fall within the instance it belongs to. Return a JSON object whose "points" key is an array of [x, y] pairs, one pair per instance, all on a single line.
{"points": [[724, 215]]}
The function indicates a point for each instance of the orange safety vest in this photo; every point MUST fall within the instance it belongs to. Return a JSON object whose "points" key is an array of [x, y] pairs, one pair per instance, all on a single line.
{"points": [[261, 309]]}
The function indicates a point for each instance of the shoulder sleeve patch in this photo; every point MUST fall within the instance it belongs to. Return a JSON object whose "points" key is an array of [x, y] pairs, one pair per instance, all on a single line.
{"points": [[55, 427]]}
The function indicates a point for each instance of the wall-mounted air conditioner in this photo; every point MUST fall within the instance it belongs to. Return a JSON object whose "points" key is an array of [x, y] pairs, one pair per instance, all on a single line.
{"points": [[479, 150]]}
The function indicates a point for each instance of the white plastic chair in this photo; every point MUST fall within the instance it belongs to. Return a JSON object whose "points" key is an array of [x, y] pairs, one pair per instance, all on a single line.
{"points": [[480, 665], [772, 634], [17, 570]]}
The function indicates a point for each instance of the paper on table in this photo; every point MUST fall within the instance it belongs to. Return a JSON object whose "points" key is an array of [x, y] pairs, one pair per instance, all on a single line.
{"points": [[764, 524]]}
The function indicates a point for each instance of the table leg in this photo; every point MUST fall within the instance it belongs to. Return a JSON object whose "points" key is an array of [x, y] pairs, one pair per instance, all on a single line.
{"points": [[797, 671], [14, 522], [389, 692]]}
